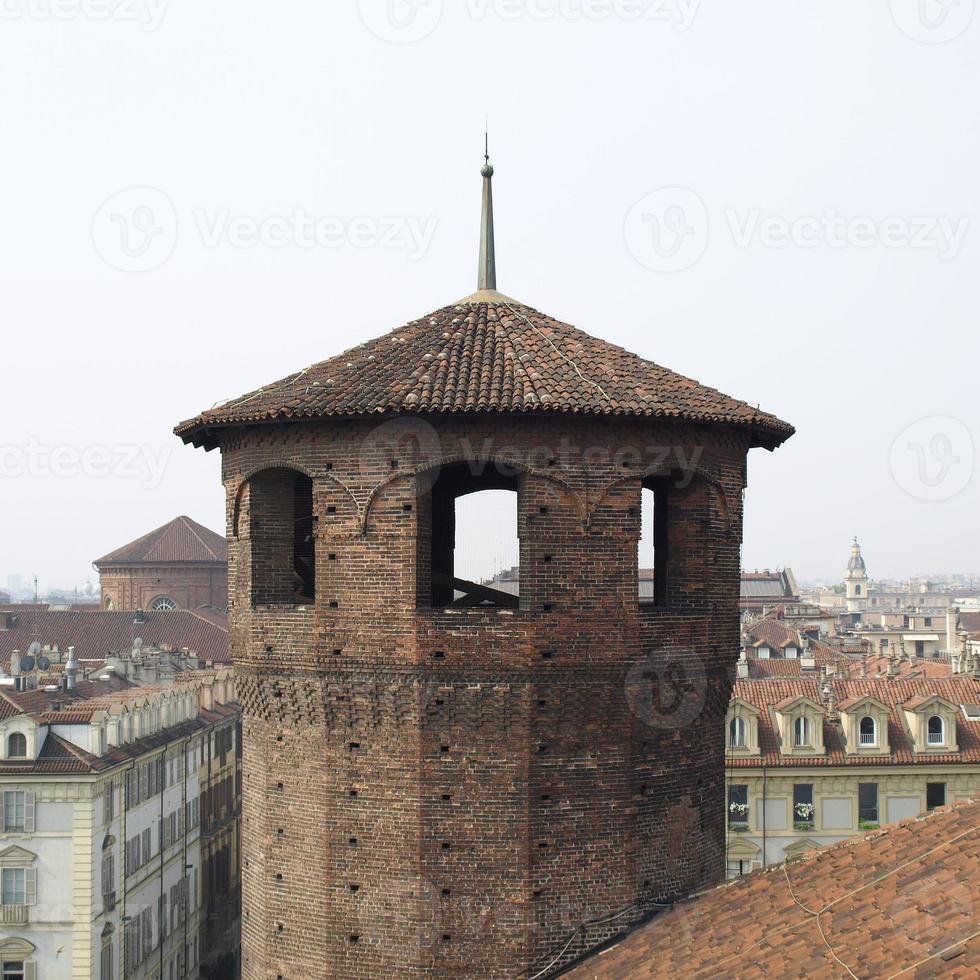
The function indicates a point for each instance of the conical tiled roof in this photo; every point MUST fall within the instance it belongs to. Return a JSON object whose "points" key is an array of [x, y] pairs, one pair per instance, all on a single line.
{"points": [[180, 540], [486, 354]]}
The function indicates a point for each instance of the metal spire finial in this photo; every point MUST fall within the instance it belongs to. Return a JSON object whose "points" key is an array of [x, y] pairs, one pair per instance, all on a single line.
{"points": [[487, 277]]}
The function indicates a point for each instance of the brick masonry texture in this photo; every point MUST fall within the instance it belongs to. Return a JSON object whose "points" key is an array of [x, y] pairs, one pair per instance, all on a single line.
{"points": [[454, 792]]}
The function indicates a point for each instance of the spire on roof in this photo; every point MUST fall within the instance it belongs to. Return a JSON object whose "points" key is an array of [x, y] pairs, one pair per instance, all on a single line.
{"points": [[487, 277]]}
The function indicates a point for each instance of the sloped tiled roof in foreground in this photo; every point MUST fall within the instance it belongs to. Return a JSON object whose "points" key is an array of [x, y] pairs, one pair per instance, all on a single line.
{"points": [[179, 540], [486, 354], [899, 902]]}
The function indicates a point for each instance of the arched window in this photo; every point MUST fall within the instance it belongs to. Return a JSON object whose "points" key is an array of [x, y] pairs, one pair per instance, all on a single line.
{"points": [[936, 731], [801, 731], [108, 603], [868, 731], [163, 603], [17, 746], [736, 733], [281, 529], [857, 589], [468, 547]]}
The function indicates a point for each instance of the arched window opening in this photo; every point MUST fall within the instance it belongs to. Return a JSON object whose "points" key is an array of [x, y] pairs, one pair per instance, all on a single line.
{"points": [[936, 731], [857, 589], [652, 557], [163, 604], [17, 746], [108, 604], [469, 550], [281, 528], [737, 733], [868, 731], [801, 731]]}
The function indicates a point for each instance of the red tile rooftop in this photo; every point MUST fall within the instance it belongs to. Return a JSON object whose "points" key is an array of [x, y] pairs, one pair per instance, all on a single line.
{"points": [[487, 356], [901, 902]]}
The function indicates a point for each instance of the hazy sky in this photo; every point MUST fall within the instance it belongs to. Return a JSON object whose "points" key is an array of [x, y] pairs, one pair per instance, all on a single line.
{"points": [[776, 198]]}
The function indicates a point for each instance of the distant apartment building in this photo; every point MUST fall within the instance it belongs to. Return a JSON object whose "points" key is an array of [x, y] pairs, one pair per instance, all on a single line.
{"points": [[182, 565], [118, 828], [818, 753]]}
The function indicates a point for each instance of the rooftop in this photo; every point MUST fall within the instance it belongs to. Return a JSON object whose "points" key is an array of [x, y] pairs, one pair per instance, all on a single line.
{"points": [[901, 901], [486, 354], [179, 540]]}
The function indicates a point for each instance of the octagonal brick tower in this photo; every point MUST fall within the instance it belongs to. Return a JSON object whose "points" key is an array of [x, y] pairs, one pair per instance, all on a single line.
{"points": [[443, 779]]}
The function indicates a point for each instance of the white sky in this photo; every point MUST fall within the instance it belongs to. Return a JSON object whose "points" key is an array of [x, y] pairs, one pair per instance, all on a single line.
{"points": [[792, 108]]}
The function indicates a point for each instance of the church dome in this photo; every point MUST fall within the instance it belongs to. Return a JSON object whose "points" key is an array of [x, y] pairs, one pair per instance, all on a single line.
{"points": [[856, 562]]}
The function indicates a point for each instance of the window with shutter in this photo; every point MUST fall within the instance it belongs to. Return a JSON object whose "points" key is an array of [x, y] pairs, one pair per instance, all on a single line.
{"points": [[29, 809], [30, 886]]}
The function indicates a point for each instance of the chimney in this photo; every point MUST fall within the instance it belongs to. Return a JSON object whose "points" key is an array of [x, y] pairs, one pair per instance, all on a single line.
{"points": [[15, 664], [742, 667], [951, 615], [71, 670]]}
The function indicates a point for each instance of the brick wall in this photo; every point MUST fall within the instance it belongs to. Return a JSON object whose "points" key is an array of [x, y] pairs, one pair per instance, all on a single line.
{"points": [[190, 585], [452, 793]]}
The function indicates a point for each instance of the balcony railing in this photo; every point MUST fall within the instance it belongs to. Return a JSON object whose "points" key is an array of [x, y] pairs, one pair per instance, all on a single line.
{"points": [[13, 914], [867, 738]]}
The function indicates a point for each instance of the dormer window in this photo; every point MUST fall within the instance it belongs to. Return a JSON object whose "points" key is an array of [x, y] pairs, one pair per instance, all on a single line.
{"points": [[868, 731], [802, 732], [763, 652], [936, 732], [17, 746], [736, 733]]}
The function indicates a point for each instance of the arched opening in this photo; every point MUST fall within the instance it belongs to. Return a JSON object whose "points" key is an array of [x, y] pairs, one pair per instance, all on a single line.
{"points": [[17, 746], [281, 527], [108, 604], [936, 731], [469, 550], [868, 731], [857, 589], [652, 557], [737, 733], [801, 731], [162, 603]]}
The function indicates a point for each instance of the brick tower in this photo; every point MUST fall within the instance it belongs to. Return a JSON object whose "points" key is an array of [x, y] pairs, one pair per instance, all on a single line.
{"points": [[441, 778]]}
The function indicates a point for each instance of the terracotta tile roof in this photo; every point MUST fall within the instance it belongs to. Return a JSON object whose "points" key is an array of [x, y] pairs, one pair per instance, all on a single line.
{"points": [[766, 695], [491, 357], [180, 540], [970, 621], [97, 633], [902, 899]]}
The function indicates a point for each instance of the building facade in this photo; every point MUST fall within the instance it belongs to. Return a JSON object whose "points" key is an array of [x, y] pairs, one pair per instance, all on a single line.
{"points": [[101, 847], [182, 565], [443, 779], [813, 760]]}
